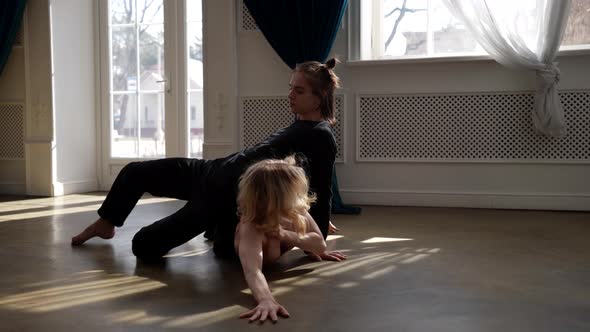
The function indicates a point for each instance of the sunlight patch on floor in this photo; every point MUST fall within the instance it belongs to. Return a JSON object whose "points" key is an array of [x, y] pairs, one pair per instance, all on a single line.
{"points": [[368, 265], [74, 278], [414, 258], [379, 273], [189, 253], [53, 201], [348, 284], [203, 319], [384, 239], [138, 317], [199, 320], [75, 293], [62, 211]]}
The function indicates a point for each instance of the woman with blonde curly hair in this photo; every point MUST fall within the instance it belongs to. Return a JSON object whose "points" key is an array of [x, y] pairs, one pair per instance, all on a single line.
{"points": [[273, 203]]}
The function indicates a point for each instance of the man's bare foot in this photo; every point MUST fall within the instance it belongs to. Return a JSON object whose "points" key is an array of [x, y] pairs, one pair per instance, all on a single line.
{"points": [[101, 228], [332, 228]]}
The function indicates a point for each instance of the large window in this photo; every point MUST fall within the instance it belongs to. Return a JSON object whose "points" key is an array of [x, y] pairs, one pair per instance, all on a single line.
{"points": [[391, 29]]}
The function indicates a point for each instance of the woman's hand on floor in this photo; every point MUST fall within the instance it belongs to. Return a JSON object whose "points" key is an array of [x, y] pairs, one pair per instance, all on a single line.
{"points": [[335, 256], [266, 309]]}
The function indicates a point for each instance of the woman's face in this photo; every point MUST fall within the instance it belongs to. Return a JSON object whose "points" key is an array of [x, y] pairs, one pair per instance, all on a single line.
{"points": [[303, 102]]}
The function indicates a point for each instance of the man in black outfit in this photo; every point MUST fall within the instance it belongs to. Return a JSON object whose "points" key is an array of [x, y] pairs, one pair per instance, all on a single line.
{"points": [[210, 186]]}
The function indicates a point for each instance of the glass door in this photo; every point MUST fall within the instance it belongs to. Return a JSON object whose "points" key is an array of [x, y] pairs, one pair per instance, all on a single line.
{"points": [[194, 41], [138, 79], [151, 81]]}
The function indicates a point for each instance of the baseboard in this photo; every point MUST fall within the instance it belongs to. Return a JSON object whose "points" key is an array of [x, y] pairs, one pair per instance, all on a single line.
{"points": [[526, 201], [13, 189], [74, 187]]}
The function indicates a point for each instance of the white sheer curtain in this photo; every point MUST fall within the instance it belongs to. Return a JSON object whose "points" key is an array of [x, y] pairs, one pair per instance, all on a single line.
{"points": [[523, 34]]}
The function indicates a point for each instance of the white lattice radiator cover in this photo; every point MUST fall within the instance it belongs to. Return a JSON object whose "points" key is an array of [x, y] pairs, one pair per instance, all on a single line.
{"points": [[18, 39], [12, 131], [468, 127], [261, 116], [247, 21]]}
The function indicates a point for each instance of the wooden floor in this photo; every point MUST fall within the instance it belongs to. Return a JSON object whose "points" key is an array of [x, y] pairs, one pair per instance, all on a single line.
{"points": [[409, 269]]}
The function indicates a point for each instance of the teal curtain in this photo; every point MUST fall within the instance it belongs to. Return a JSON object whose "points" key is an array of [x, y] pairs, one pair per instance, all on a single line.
{"points": [[299, 30], [11, 14]]}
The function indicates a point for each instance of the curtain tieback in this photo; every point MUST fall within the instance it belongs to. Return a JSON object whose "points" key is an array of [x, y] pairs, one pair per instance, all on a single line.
{"points": [[548, 77]]}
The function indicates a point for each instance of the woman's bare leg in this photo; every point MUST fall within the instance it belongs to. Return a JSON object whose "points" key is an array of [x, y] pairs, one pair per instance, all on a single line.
{"points": [[101, 228]]}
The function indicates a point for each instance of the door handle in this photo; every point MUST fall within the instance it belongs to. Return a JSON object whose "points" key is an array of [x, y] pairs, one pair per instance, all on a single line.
{"points": [[167, 87]]}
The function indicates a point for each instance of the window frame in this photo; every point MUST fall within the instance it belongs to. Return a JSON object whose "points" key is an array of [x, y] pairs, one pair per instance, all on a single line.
{"points": [[354, 47]]}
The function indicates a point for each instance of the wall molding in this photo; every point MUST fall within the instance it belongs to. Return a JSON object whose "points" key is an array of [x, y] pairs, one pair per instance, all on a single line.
{"points": [[487, 200], [74, 187], [13, 188]]}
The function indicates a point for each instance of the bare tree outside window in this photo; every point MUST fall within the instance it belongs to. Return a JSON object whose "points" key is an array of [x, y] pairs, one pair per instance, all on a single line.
{"points": [[577, 31], [427, 28], [127, 29], [196, 49], [399, 13]]}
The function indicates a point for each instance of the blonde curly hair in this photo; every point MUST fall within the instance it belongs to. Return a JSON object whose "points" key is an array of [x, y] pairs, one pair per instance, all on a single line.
{"points": [[273, 189]]}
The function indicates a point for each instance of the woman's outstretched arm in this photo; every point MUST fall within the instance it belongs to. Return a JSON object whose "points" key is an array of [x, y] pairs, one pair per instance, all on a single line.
{"points": [[250, 253]]}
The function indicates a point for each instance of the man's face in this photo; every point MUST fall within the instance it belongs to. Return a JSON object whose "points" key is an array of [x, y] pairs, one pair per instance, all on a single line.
{"points": [[301, 98]]}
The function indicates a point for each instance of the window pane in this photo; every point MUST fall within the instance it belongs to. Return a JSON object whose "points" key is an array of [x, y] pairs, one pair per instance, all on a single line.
{"points": [[138, 125], [195, 41], [124, 131], [194, 11], [404, 28], [152, 125], [124, 59], [150, 11], [194, 74], [577, 31], [398, 28], [450, 36], [151, 38], [122, 11], [196, 124]]}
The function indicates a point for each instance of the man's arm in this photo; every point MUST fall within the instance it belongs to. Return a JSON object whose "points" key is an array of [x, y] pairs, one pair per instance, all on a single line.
{"points": [[320, 182], [250, 253]]}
